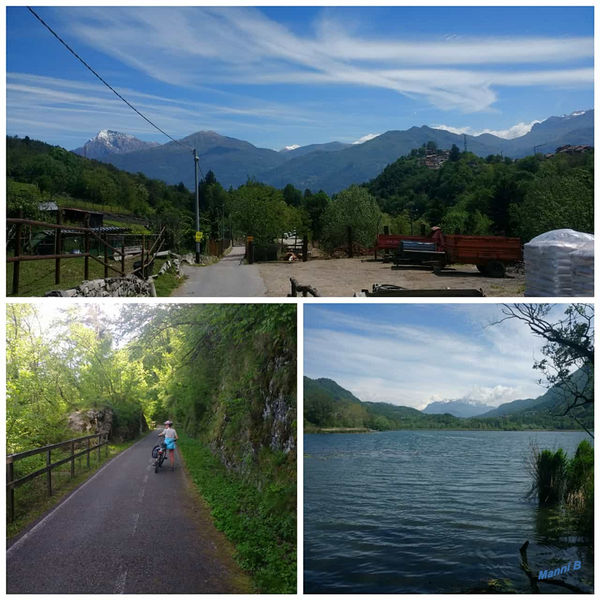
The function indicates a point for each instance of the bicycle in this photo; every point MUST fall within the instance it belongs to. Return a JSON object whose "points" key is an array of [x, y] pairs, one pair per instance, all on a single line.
{"points": [[159, 453]]}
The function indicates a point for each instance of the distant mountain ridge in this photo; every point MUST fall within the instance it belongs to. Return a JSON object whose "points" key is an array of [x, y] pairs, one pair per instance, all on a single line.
{"points": [[458, 408], [332, 166], [327, 405]]}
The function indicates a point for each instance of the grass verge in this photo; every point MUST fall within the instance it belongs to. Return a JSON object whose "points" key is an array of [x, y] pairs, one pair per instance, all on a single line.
{"points": [[167, 282], [31, 501], [37, 276], [263, 531]]}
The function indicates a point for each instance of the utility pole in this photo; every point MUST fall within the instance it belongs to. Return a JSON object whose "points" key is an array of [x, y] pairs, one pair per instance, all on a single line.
{"points": [[196, 159]]}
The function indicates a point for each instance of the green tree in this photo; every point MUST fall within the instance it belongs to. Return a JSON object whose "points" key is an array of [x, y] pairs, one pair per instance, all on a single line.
{"points": [[354, 208], [568, 349], [260, 210]]}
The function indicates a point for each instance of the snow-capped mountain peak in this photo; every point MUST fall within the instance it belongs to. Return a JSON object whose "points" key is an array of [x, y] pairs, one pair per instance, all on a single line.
{"points": [[108, 141]]}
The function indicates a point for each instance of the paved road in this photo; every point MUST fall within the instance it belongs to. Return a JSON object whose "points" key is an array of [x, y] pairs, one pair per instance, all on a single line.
{"points": [[228, 278], [126, 530]]}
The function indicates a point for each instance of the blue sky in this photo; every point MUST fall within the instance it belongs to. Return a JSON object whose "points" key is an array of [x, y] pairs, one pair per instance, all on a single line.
{"points": [[283, 76], [414, 354]]}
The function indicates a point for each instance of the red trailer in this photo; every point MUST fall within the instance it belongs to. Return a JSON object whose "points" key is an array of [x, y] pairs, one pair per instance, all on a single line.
{"points": [[491, 254]]}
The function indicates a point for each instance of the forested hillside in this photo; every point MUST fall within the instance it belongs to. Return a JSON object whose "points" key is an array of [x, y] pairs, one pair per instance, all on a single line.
{"points": [[496, 195], [328, 406], [460, 191], [225, 374]]}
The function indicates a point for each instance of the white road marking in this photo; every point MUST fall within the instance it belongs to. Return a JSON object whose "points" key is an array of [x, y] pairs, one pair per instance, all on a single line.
{"points": [[120, 584], [136, 518]]}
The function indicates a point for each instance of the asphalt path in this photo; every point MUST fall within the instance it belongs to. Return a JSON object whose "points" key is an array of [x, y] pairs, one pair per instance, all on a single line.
{"points": [[228, 278], [127, 530]]}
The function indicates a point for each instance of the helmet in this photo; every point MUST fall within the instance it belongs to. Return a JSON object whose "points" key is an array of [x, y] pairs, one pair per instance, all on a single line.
{"points": [[168, 422]]}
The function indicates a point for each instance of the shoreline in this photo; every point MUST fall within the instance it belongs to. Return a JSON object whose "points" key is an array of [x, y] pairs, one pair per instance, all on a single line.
{"points": [[330, 430]]}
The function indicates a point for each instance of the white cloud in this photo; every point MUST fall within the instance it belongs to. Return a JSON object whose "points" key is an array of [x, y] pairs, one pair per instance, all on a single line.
{"points": [[515, 131], [292, 147], [83, 108], [366, 138], [190, 45], [411, 364]]}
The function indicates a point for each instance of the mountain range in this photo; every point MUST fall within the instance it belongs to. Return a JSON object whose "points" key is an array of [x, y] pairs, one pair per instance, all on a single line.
{"points": [[330, 167], [328, 405], [457, 408]]}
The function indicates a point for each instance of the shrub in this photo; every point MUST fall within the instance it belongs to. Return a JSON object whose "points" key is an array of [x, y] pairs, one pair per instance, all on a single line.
{"points": [[550, 476]]}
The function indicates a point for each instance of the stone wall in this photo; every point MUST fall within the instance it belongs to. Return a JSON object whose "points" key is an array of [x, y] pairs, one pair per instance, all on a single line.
{"points": [[127, 286]]}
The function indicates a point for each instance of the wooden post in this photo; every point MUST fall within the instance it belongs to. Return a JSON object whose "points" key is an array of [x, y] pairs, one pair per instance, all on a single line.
{"points": [[123, 257], [250, 249], [49, 472], [10, 500], [89, 443], [86, 249], [99, 439], [105, 241], [72, 459], [106, 440], [350, 249], [305, 247], [142, 267], [17, 265], [58, 247]]}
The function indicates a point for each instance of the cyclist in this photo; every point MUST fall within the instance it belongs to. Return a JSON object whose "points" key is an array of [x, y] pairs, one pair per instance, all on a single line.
{"points": [[171, 437]]}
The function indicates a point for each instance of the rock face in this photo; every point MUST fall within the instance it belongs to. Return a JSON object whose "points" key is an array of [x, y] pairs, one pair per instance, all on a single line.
{"points": [[105, 420], [279, 414], [93, 420], [259, 414]]}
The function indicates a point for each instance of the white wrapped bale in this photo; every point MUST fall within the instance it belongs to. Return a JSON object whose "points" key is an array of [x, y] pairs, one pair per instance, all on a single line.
{"points": [[549, 269], [583, 270]]}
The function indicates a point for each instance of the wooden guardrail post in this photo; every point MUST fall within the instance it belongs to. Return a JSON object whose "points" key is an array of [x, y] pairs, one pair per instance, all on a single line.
{"points": [[105, 240], [10, 500], [86, 249], [89, 445], [17, 264], [99, 455], [142, 266], [72, 459], [106, 442], [123, 257], [58, 247], [49, 475]]}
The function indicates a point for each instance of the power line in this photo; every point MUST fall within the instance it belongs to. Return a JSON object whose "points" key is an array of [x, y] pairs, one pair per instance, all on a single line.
{"points": [[101, 79]]}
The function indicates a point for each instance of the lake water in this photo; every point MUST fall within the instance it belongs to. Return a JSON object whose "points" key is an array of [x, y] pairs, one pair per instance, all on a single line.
{"points": [[429, 512]]}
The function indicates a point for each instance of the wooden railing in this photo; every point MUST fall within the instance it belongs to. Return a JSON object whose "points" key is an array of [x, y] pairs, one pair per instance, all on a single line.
{"points": [[147, 255], [11, 459]]}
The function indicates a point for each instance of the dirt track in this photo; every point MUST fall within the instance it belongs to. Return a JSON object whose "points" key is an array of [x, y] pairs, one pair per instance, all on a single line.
{"points": [[347, 276]]}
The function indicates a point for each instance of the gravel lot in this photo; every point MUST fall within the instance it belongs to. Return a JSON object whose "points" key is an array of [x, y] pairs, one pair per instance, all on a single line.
{"points": [[344, 277]]}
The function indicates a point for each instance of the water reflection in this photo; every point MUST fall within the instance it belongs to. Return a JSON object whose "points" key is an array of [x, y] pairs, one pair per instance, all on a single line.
{"points": [[430, 512]]}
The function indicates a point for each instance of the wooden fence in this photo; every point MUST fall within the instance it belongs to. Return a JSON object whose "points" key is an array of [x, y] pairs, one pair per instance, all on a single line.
{"points": [[11, 459], [147, 254]]}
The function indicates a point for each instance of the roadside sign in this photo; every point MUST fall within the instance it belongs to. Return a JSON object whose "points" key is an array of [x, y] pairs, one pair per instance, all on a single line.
{"points": [[250, 238], [199, 236]]}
